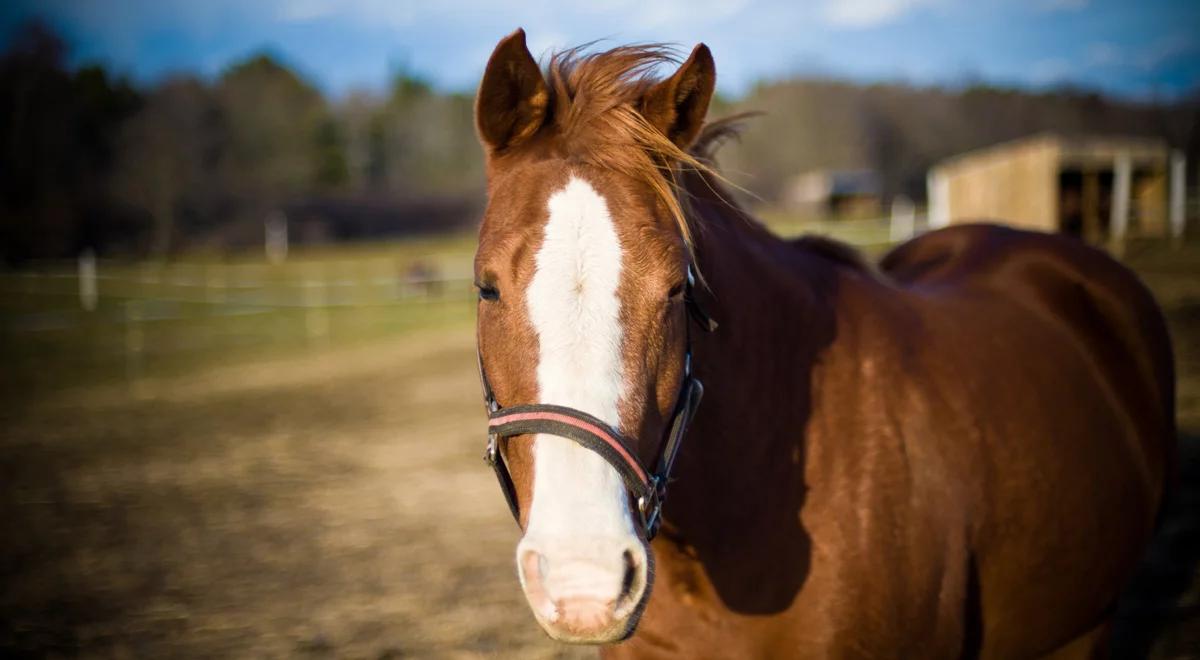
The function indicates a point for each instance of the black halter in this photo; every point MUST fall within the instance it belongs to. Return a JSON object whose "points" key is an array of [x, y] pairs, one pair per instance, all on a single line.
{"points": [[649, 489]]}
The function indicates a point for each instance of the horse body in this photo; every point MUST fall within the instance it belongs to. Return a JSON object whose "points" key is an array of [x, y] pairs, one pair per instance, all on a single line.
{"points": [[960, 457]]}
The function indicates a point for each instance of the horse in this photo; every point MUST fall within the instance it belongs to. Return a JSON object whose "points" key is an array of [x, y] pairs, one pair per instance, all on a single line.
{"points": [[959, 451]]}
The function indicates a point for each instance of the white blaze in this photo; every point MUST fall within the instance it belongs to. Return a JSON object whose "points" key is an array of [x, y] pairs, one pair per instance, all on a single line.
{"points": [[575, 310]]}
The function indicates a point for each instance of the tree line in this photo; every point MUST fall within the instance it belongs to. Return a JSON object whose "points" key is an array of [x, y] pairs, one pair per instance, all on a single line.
{"points": [[89, 160], [900, 131]]}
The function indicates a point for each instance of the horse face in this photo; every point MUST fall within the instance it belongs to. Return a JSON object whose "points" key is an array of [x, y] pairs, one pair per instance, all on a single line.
{"points": [[581, 269], [581, 306]]}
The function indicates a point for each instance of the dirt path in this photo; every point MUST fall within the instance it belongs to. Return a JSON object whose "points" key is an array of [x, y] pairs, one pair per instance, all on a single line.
{"points": [[333, 506]]}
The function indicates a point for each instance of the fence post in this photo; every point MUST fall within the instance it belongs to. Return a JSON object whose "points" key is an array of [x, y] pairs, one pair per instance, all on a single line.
{"points": [[904, 216], [88, 294], [1119, 221], [275, 229], [1178, 186], [937, 187]]}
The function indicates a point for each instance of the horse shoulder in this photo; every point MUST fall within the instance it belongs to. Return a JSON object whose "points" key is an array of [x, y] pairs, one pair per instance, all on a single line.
{"points": [[887, 509]]}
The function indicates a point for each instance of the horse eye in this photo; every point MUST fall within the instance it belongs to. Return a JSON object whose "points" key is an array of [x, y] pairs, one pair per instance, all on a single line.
{"points": [[488, 293]]}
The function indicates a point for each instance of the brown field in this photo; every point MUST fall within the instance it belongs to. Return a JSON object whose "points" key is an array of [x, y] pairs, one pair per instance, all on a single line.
{"points": [[331, 502]]}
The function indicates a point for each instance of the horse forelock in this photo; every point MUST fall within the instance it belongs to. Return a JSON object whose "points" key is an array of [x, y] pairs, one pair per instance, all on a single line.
{"points": [[595, 101]]}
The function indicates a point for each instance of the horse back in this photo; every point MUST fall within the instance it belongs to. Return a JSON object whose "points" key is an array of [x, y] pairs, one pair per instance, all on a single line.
{"points": [[1101, 303]]}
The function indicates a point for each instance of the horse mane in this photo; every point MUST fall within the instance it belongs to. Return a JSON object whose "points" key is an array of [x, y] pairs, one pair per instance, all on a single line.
{"points": [[716, 133], [595, 105]]}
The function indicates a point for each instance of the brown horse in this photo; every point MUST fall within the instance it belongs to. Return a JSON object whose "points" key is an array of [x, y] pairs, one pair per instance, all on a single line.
{"points": [[960, 453]]}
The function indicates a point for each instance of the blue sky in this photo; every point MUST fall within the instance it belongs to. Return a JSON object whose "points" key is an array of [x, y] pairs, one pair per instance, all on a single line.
{"points": [[1136, 47]]}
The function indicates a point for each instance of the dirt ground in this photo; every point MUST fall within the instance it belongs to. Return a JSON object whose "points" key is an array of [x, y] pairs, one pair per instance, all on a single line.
{"points": [[335, 505]]}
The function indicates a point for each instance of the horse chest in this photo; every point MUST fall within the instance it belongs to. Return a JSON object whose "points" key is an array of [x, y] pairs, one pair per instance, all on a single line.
{"points": [[688, 620], [847, 587]]}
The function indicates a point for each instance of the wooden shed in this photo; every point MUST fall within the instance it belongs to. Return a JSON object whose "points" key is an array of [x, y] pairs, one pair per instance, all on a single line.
{"points": [[1098, 188]]}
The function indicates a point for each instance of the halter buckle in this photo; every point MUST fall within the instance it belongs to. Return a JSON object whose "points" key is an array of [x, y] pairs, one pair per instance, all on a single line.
{"points": [[490, 452], [650, 507]]}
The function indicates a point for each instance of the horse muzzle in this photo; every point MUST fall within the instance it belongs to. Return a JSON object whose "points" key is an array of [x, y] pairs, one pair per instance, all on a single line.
{"points": [[586, 590]]}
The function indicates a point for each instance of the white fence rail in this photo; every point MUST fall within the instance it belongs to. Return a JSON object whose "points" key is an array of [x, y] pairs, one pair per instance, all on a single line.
{"points": [[97, 320], [298, 284]]}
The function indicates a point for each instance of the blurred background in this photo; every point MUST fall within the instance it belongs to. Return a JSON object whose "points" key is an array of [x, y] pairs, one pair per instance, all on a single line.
{"points": [[239, 413]]}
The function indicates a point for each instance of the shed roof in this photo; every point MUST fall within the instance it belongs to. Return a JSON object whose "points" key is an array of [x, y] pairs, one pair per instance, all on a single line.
{"points": [[1074, 149]]}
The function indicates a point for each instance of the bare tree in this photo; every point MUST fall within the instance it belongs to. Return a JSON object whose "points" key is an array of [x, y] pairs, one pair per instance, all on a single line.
{"points": [[168, 155]]}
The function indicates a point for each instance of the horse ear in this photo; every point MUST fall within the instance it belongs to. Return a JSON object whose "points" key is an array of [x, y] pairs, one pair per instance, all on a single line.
{"points": [[512, 99], [677, 105]]}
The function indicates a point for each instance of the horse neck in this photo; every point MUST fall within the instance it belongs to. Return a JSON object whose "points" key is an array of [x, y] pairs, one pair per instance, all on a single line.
{"points": [[775, 307], [774, 302]]}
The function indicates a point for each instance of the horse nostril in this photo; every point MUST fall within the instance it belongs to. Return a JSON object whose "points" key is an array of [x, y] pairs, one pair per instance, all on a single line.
{"points": [[584, 588], [633, 581], [630, 576]]}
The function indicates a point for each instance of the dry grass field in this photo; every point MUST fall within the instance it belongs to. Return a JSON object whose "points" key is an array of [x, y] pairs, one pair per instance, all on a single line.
{"points": [[330, 501]]}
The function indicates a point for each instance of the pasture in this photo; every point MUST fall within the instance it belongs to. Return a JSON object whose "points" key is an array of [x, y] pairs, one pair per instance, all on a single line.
{"points": [[233, 470]]}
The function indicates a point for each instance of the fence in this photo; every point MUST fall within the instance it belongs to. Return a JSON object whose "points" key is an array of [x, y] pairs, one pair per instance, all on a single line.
{"points": [[97, 320]]}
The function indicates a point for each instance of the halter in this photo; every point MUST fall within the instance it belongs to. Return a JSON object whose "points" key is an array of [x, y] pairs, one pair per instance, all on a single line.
{"points": [[648, 489]]}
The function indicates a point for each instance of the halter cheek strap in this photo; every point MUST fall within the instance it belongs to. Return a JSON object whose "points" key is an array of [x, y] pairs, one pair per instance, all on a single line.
{"points": [[648, 489]]}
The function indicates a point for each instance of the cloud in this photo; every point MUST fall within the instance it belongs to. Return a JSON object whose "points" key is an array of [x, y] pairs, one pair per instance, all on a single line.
{"points": [[862, 14], [345, 44], [399, 13], [1102, 54], [1050, 70], [366, 12]]}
